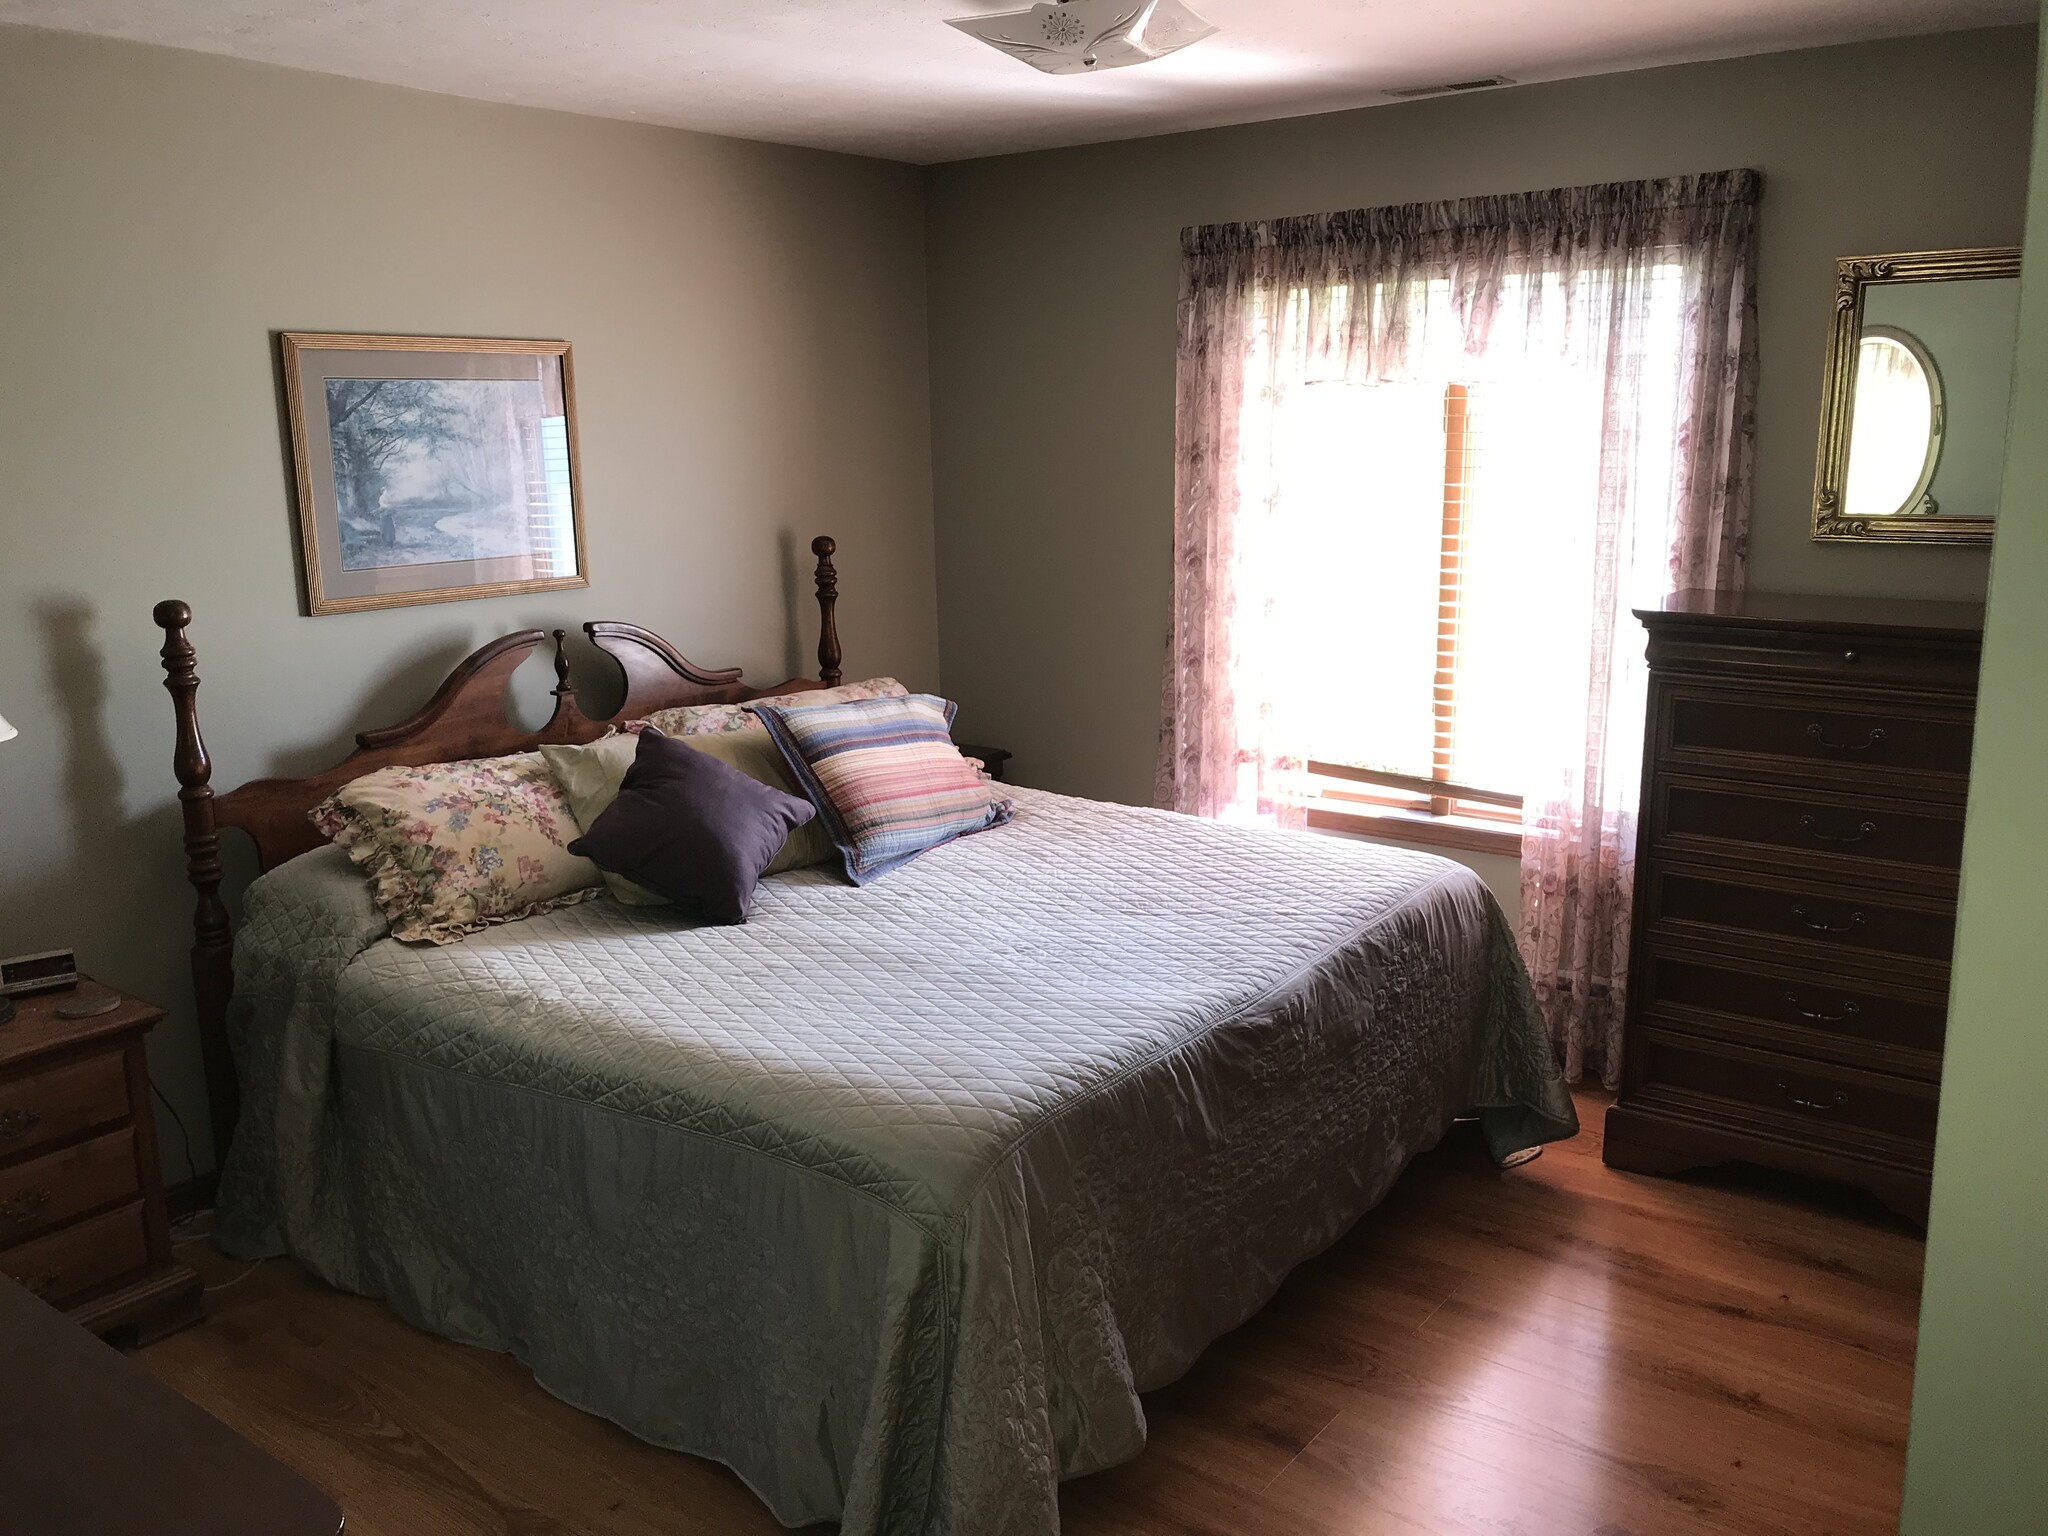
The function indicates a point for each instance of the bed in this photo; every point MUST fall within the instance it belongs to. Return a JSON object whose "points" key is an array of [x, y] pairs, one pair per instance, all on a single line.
{"points": [[894, 1198]]}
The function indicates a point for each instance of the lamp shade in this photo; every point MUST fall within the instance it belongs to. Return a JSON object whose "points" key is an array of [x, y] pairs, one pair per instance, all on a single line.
{"points": [[7, 732]]}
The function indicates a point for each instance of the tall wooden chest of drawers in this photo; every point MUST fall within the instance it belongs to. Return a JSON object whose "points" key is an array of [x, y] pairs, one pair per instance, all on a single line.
{"points": [[1805, 771]]}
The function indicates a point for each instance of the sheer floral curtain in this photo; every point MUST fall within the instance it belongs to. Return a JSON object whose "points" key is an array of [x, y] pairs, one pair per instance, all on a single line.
{"points": [[1617, 324]]}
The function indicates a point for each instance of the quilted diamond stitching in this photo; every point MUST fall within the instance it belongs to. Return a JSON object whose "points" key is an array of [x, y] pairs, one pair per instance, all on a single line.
{"points": [[900, 1035]]}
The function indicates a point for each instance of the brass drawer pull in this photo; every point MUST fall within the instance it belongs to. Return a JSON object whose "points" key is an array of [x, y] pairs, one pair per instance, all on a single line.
{"points": [[1818, 1106], [1819, 733], [23, 1206], [16, 1123], [1849, 1011], [1812, 826], [1856, 920]]}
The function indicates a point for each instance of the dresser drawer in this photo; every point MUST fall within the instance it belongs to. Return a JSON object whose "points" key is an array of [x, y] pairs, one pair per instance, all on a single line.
{"points": [[1851, 923], [1809, 1099], [47, 1107], [1927, 841], [61, 1186], [1801, 1012], [1817, 656], [1817, 733], [72, 1261]]}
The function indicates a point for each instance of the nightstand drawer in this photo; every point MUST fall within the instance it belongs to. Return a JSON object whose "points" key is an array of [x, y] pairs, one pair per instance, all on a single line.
{"points": [[46, 1107], [71, 1261], [62, 1186]]}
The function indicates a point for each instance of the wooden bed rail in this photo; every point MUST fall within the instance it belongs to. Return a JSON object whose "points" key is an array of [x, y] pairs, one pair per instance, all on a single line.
{"points": [[466, 717]]}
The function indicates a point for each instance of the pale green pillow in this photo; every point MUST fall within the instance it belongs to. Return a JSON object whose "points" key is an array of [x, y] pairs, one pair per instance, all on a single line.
{"points": [[755, 754], [590, 777]]}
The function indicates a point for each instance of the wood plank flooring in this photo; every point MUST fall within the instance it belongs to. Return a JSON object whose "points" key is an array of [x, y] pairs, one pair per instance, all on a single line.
{"points": [[1559, 1350]]}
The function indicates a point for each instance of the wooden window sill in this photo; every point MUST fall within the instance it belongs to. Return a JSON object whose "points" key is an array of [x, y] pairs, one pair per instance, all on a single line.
{"points": [[1397, 826]]}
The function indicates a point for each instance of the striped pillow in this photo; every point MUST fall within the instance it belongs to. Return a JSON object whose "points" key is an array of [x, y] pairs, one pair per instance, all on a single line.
{"points": [[885, 776]]}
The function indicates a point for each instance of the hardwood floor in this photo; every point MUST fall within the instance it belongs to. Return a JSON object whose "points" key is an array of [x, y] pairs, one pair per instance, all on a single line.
{"points": [[1559, 1350]]}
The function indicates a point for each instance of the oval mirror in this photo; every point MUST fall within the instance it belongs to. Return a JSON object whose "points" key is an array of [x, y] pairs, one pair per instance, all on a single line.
{"points": [[1895, 426]]}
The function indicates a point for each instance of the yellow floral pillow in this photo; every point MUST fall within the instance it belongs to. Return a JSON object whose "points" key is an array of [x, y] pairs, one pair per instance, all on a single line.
{"points": [[728, 719], [451, 848]]}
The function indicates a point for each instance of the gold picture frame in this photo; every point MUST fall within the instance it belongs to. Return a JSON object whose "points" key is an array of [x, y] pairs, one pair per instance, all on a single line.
{"points": [[433, 469], [1854, 276]]}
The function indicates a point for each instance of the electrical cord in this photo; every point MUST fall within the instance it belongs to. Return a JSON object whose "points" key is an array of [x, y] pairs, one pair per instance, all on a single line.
{"points": [[192, 1173], [184, 1136], [186, 1230], [189, 1231], [254, 1265]]}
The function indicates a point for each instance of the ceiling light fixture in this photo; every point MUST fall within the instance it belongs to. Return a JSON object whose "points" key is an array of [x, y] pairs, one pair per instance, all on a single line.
{"points": [[1080, 37]]}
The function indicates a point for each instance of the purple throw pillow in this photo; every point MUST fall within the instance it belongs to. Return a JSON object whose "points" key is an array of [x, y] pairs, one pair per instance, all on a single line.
{"points": [[691, 829]]}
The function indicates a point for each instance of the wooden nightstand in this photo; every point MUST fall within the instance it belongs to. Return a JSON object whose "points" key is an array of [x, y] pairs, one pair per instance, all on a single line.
{"points": [[82, 1220], [993, 759]]}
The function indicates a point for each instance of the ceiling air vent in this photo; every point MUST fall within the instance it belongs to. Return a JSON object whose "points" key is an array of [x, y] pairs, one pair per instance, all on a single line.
{"points": [[1452, 88]]}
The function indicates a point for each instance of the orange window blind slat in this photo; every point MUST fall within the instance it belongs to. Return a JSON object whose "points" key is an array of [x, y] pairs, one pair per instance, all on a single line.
{"points": [[1450, 587]]}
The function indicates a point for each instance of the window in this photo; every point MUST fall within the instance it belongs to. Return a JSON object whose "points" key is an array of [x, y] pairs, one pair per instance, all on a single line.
{"points": [[1427, 459], [1437, 527]]}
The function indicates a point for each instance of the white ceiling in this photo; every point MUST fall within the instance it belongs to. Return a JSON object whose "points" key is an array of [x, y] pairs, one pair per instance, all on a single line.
{"points": [[885, 77]]}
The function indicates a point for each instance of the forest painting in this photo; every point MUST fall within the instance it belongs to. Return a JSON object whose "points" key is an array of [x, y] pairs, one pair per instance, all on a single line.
{"points": [[432, 468]]}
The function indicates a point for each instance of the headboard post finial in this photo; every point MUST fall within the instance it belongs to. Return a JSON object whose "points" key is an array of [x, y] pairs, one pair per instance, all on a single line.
{"points": [[828, 618], [564, 689], [212, 940]]}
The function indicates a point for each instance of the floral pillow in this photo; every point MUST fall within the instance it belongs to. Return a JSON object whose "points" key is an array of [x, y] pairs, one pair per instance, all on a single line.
{"points": [[725, 719], [451, 848]]}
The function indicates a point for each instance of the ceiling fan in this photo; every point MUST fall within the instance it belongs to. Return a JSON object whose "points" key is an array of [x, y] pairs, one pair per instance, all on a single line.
{"points": [[1079, 37]]}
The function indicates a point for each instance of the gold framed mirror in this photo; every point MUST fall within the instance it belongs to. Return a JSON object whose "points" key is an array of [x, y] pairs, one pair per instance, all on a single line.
{"points": [[1914, 397]]}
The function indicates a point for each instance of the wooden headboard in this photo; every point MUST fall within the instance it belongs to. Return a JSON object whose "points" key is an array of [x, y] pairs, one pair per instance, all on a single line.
{"points": [[467, 717]]}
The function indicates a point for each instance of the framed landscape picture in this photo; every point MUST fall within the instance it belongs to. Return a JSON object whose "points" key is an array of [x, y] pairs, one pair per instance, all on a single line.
{"points": [[433, 468]]}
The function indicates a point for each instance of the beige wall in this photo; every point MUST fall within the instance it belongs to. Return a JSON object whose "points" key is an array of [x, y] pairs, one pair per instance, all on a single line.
{"points": [[1975, 1464], [1053, 281], [749, 326]]}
